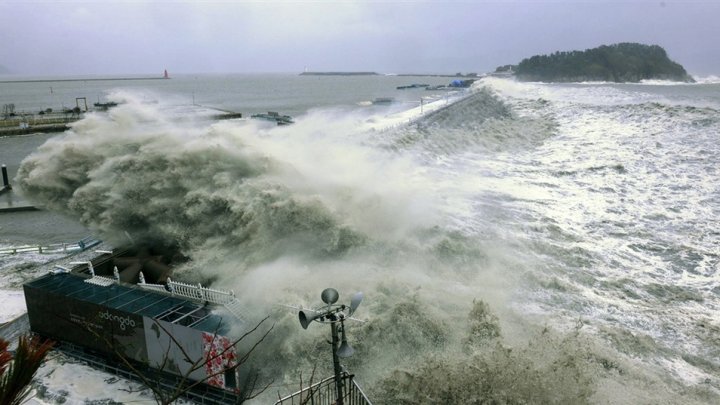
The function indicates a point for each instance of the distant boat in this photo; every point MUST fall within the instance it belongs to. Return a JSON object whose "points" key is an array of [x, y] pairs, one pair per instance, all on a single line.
{"points": [[275, 117], [165, 75], [383, 100], [412, 86], [461, 83], [105, 106]]}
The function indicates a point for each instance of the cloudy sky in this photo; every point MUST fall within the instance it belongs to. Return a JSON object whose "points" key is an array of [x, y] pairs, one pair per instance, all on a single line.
{"points": [[115, 37]]}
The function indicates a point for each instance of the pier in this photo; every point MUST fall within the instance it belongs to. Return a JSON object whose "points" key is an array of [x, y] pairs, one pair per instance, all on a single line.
{"points": [[27, 123], [36, 123]]}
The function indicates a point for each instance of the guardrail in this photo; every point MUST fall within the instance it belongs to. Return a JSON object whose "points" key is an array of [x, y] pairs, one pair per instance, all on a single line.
{"points": [[325, 393], [51, 248]]}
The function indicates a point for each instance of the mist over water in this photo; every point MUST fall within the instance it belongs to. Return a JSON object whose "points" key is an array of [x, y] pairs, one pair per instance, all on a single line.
{"points": [[512, 247]]}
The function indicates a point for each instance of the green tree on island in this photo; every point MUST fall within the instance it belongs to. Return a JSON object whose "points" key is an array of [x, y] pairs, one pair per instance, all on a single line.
{"points": [[624, 62]]}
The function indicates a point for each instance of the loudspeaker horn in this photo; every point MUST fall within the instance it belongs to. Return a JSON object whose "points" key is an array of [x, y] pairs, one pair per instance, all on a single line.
{"points": [[305, 319], [345, 350], [355, 301]]}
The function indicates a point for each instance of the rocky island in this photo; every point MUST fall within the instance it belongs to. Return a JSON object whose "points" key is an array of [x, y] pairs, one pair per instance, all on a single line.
{"points": [[620, 63]]}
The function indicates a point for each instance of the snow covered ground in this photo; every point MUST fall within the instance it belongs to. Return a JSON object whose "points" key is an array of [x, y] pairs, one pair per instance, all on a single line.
{"points": [[12, 303]]}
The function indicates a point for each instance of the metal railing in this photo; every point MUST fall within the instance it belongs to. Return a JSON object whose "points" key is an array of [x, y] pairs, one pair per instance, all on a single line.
{"points": [[324, 393], [51, 248]]}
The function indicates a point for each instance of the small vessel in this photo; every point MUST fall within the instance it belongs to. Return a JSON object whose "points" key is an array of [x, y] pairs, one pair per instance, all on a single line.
{"points": [[165, 75], [383, 100], [461, 83], [412, 86], [275, 117], [105, 106]]}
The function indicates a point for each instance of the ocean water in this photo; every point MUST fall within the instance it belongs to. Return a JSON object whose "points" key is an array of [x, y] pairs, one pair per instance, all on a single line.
{"points": [[248, 94], [527, 243]]}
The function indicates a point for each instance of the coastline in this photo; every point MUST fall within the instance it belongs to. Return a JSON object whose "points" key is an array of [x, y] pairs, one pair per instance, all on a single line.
{"points": [[99, 79]]}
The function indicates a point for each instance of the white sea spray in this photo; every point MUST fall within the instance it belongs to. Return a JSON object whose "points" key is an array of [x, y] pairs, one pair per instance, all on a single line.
{"points": [[440, 224]]}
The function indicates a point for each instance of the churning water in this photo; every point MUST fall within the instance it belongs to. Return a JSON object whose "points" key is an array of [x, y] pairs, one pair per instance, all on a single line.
{"points": [[530, 243]]}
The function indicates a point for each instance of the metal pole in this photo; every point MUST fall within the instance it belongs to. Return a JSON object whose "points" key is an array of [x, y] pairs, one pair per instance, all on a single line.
{"points": [[6, 183], [336, 364]]}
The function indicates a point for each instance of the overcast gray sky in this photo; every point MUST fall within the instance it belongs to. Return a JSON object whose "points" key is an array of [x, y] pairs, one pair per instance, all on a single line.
{"points": [[116, 37]]}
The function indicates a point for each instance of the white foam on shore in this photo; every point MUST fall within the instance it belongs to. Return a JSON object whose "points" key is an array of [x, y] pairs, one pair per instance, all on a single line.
{"points": [[12, 305], [711, 79], [70, 382]]}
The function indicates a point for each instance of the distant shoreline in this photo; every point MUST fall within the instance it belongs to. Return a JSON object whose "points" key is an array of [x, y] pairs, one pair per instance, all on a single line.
{"points": [[339, 74], [382, 74], [82, 80]]}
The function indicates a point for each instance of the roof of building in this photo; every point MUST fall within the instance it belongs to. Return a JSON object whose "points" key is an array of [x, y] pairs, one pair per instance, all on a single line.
{"points": [[135, 300]]}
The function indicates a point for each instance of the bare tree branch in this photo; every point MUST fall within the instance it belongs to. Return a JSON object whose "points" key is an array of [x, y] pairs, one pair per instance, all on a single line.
{"points": [[185, 384]]}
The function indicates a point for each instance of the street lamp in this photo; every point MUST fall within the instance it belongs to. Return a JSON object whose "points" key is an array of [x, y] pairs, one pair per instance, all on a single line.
{"points": [[333, 314]]}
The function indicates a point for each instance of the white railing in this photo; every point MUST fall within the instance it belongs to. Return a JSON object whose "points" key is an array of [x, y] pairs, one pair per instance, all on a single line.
{"points": [[101, 281], [197, 292]]}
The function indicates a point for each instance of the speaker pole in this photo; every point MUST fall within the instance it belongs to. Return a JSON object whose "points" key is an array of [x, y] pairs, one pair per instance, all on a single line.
{"points": [[336, 364], [333, 314]]}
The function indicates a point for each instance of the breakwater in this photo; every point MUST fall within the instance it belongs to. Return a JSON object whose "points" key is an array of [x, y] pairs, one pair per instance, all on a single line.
{"points": [[339, 74], [86, 79]]}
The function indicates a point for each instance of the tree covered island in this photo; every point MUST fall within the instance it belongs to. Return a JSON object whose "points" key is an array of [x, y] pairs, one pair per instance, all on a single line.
{"points": [[624, 62]]}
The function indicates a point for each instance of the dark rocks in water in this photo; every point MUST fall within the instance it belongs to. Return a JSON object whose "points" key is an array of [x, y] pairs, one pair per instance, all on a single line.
{"points": [[620, 63]]}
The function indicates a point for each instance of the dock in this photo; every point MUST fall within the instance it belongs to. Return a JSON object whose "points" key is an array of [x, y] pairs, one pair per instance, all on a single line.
{"points": [[22, 124], [25, 124]]}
